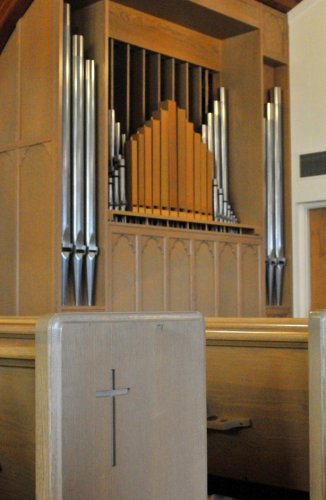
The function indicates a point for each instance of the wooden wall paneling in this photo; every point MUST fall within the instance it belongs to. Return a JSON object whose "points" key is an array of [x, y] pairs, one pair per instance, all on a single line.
{"points": [[205, 285], [122, 271], [251, 281], [37, 230], [179, 274], [229, 300], [38, 74], [162, 36], [153, 83], [317, 246], [9, 90], [17, 417], [182, 86], [9, 232], [92, 21], [242, 76], [137, 89], [152, 271]]}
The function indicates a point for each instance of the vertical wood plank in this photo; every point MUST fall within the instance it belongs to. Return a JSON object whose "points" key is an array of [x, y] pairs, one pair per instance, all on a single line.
{"points": [[190, 167], [182, 167], [170, 106], [123, 277], [148, 167], [156, 158], [132, 173], [152, 271], [111, 73], [8, 231]]}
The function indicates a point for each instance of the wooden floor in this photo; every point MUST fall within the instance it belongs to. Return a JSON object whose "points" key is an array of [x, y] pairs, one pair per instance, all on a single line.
{"points": [[241, 490]]}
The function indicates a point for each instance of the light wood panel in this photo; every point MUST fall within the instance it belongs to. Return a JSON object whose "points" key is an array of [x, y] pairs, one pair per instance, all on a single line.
{"points": [[38, 78], [37, 206], [159, 359], [209, 269], [8, 231], [258, 369]]}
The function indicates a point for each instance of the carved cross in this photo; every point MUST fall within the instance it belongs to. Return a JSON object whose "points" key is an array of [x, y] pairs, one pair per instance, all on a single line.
{"points": [[113, 393]]}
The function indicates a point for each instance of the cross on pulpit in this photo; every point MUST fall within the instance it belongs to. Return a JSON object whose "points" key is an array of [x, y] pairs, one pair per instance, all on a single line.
{"points": [[113, 393]]}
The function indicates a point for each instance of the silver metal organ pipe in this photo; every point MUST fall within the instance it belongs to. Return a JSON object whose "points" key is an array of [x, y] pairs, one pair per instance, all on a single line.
{"points": [[90, 171], [66, 242], [78, 162], [224, 146], [270, 215], [278, 159]]}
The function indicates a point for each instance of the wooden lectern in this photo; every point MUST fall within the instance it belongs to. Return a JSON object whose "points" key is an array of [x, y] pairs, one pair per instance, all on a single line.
{"points": [[121, 407]]}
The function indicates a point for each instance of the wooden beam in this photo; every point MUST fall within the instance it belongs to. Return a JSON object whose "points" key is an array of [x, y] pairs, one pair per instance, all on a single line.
{"points": [[281, 5]]}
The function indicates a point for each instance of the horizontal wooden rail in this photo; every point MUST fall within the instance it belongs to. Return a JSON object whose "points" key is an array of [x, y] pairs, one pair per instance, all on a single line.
{"points": [[17, 334]]}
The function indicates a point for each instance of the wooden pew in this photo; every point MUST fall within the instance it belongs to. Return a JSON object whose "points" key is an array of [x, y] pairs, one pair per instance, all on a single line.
{"points": [[17, 408], [317, 404], [256, 370]]}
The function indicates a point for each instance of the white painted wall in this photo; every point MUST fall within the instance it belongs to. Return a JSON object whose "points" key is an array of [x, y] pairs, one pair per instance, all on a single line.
{"points": [[307, 28]]}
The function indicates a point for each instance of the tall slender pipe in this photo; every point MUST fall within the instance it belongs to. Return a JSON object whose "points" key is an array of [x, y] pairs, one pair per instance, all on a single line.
{"points": [[78, 162], [278, 160], [224, 146], [66, 236], [270, 198], [90, 168]]}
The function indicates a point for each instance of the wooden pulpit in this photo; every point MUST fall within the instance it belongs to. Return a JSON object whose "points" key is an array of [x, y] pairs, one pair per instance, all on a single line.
{"points": [[121, 407]]}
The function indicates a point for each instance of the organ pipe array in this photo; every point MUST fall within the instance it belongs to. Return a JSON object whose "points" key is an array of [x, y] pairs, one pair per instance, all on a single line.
{"points": [[79, 244], [275, 258], [168, 144]]}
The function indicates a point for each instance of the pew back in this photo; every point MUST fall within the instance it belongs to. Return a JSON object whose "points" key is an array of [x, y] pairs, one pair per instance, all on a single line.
{"points": [[257, 371]]}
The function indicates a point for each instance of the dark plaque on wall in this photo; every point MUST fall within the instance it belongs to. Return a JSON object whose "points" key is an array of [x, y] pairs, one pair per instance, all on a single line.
{"points": [[313, 164]]}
